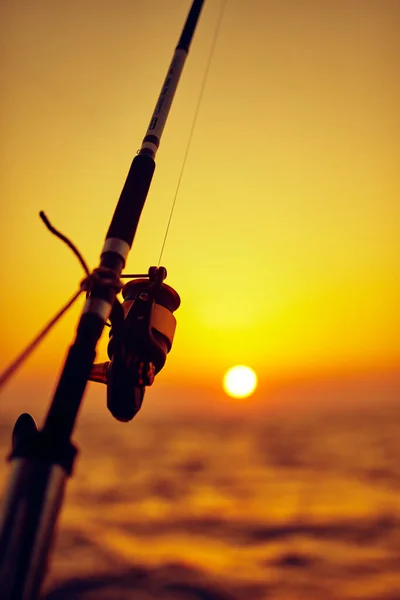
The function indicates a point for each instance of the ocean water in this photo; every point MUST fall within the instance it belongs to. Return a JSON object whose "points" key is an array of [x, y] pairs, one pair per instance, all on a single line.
{"points": [[279, 508]]}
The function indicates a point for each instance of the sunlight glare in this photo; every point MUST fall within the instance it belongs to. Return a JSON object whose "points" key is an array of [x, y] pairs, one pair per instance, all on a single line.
{"points": [[240, 381]]}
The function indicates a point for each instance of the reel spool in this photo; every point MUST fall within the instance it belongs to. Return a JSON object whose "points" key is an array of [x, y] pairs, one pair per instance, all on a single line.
{"points": [[141, 336]]}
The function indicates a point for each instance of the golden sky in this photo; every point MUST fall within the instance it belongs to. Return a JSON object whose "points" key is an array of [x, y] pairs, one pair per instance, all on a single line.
{"points": [[284, 241]]}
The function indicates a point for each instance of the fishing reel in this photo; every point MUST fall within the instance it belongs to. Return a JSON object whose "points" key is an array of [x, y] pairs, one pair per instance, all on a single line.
{"points": [[141, 335]]}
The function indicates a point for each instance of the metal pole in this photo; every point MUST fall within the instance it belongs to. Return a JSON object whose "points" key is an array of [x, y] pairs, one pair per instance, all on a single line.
{"points": [[43, 459]]}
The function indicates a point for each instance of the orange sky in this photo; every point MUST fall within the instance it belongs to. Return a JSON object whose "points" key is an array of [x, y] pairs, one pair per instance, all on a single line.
{"points": [[284, 242]]}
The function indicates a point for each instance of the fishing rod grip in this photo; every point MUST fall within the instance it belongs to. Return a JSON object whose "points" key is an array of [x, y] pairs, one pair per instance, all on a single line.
{"points": [[39, 471], [130, 204], [31, 506]]}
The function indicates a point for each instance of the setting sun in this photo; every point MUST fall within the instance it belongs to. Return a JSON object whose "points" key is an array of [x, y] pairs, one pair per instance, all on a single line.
{"points": [[240, 381]]}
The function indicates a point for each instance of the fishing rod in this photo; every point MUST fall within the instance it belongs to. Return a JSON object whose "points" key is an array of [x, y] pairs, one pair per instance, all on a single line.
{"points": [[142, 330]]}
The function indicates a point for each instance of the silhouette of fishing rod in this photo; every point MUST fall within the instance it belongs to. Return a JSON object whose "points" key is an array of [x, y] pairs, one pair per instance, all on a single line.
{"points": [[142, 330]]}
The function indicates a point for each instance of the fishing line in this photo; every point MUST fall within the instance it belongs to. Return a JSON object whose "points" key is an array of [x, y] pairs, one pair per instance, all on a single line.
{"points": [[22, 357], [107, 277], [196, 114]]}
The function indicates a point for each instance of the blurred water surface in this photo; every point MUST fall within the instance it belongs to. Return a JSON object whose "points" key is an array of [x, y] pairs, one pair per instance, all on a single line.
{"points": [[283, 508]]}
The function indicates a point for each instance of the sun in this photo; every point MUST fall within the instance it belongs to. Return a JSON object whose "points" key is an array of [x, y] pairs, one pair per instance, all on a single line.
{"points": [[240, 381]]}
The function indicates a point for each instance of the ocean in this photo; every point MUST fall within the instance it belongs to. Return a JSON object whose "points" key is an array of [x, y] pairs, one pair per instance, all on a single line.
{"points": [[286, 507]]}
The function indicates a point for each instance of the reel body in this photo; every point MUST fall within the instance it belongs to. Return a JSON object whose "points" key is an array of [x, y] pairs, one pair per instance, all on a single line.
{"points": [[141, 336]]}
